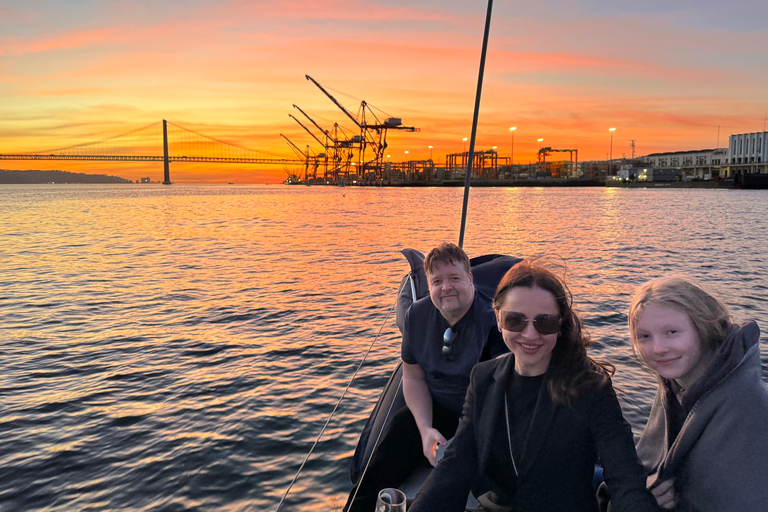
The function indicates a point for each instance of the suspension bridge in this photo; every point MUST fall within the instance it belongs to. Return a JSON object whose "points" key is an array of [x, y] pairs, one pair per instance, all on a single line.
{"points": [[162, 141], [345, 157]]}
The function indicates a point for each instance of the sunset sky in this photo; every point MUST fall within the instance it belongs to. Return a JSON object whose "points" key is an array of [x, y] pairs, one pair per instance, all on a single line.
{"points": [[665, 73]]}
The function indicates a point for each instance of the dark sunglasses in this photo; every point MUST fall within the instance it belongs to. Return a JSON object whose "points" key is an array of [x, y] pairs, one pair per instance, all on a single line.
{"points": [[516, 322], [448, 338]]}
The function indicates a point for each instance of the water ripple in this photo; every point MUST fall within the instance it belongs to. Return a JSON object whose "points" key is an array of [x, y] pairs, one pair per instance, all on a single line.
{"points": [[180, 348]]}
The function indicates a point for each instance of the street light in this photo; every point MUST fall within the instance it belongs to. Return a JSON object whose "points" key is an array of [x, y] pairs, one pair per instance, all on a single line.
{"points": [[540, 140], [512, 149], [465, 144], [406, 155], [610, 158], [430, 152]]}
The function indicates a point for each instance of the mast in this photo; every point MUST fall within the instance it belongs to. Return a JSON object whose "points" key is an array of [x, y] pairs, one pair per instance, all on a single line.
{"points": [[468, 177]]}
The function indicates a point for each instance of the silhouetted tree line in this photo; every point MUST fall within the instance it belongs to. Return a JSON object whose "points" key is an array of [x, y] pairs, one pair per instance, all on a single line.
{"points": [[22, 177]]}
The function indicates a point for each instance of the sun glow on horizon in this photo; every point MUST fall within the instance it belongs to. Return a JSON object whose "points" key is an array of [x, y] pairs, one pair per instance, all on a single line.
{"points": [[233, 71]]}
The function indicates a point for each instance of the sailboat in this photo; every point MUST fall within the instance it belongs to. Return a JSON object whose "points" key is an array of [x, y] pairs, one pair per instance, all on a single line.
{"points": [[487, 272]]}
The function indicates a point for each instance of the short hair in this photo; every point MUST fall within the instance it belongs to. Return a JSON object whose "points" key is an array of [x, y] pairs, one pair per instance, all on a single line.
{"points": [[570, 370], [709, 316], [447, 254]]}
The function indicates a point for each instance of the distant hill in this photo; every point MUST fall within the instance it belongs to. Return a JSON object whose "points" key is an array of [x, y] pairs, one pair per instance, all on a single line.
{"points": [[21, 177]]}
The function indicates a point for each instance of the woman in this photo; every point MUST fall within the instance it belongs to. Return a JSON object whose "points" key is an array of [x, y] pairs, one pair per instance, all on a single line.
{"points": [[535, 421], [705, 444]]}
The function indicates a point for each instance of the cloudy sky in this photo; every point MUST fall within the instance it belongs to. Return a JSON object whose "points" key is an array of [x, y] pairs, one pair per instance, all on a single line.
{"points": [[665, 73]]}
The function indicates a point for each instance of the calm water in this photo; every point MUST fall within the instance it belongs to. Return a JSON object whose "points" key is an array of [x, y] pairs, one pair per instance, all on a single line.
{"points": [[179, 348]]}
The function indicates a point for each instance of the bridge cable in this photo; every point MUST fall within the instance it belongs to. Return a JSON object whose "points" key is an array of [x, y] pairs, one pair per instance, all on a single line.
{"points": [[349, 384], [96, 142], [219, 140]]}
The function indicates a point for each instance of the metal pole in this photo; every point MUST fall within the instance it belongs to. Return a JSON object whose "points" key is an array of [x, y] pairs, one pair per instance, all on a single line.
{"points": [[468, 177], [512, 148], [610, 159]]}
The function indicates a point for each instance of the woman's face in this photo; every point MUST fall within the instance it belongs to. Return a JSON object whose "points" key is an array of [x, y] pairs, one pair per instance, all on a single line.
{"points": [[669, 344], [532, 349]]}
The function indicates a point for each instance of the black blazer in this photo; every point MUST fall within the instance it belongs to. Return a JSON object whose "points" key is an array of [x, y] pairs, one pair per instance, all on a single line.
{"points": [[556, 466]]}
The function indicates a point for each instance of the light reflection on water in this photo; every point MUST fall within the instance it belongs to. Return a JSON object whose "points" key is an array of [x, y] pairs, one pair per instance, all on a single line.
{"points": [[173, 348]]}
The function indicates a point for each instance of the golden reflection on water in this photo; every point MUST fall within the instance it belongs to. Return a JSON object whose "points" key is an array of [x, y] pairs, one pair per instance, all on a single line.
{"points": [[230, 319], [609, 217]]}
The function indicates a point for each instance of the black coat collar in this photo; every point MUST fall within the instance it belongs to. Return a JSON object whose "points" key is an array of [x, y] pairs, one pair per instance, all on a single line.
{"points": [[493, 417]]}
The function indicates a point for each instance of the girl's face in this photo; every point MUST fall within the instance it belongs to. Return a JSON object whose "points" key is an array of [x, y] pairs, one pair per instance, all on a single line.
{"points": [[669, 344], [532, 349]]}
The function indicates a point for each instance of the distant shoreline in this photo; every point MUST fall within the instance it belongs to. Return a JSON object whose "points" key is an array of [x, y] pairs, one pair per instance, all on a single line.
{"points": [[43, 177], [750, 182]]}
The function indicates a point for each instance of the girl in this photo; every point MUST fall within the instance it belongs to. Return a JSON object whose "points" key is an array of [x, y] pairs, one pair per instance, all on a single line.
{"points": [[705, 444], [535, 420]]}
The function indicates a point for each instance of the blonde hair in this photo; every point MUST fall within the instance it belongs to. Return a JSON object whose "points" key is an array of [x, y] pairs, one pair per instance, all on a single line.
{"points": [[708, 314]]}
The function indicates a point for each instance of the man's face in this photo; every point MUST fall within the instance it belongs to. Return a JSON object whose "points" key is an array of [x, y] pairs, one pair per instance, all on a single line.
{"points": [[451, 289]]}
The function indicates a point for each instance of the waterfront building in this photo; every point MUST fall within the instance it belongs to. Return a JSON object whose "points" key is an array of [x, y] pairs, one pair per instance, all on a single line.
{"points": [[749, 153], [701, 164]]}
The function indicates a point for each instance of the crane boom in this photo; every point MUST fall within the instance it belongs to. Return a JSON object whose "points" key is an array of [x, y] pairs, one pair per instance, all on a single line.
{"points": [[312, 121], [307, 129], [294, 146], [347, 112]]}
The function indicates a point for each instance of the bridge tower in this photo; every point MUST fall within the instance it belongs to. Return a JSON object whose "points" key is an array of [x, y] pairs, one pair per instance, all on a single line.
{"points": [[166, 161]]}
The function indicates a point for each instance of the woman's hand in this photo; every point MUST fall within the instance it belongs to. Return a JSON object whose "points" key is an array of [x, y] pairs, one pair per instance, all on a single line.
{"points": [[664, 492], [430, 438]]}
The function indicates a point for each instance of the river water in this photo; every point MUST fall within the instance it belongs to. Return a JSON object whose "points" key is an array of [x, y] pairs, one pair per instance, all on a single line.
{"points": [[179, 348]]}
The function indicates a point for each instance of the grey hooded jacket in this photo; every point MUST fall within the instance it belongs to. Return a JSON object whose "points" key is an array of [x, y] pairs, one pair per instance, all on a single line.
{"points": [[719, 459]]}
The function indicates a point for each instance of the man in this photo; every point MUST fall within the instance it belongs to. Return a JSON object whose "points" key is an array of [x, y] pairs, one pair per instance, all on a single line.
{"points": [[445, 335]]}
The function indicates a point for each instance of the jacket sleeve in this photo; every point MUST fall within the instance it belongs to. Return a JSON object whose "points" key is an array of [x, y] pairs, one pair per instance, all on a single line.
{"points": [[622, 470], [448, 485]]}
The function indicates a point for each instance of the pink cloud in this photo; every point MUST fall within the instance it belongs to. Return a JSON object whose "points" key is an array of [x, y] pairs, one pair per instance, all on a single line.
{"points": [[79, 39], [327, 10]]}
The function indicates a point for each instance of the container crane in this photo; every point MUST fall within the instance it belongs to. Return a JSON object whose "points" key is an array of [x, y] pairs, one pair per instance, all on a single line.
{"points": [[338, 147], [307, 158], [373, 135], [544, 152]]}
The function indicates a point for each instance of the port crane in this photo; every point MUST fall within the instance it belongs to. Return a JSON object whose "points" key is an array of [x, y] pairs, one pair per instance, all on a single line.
{"points": [[337, 145], [373, 137], [308, 158], [544, 152]]}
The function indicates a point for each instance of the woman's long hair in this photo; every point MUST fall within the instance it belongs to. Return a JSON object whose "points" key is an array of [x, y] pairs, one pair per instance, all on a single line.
{"points": [[570, 369]]}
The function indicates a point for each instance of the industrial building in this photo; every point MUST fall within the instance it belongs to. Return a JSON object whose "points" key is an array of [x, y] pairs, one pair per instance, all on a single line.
{"points": [[701, 164]]}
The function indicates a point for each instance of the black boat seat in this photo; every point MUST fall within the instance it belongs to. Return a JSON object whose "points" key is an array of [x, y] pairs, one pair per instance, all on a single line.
{"points": [[415, 482]]}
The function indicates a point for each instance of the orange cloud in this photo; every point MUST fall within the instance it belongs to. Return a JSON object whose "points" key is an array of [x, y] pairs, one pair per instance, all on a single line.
{"points": [[234, 70]]}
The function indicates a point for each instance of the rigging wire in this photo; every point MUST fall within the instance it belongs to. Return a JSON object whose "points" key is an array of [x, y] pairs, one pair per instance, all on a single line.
{"points": [[376, 443], [343, 394]]}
